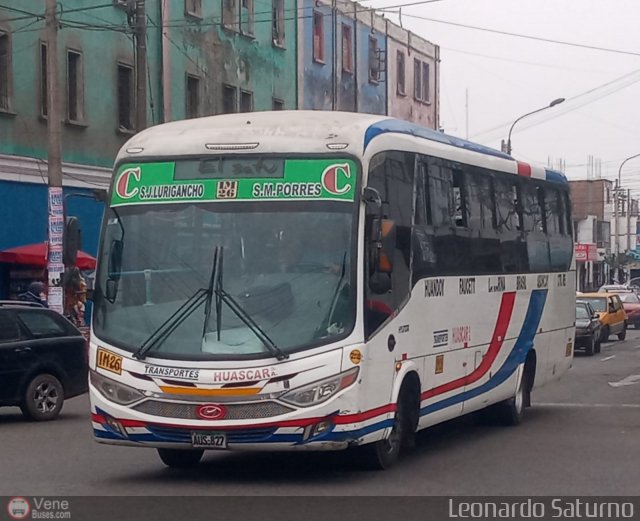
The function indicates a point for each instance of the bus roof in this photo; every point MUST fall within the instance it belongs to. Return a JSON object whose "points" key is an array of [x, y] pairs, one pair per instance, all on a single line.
{"points": [[306, 131]]}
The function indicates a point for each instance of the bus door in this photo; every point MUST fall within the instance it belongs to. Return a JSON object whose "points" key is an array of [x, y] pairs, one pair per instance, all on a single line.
{"points": [[387, 306]]}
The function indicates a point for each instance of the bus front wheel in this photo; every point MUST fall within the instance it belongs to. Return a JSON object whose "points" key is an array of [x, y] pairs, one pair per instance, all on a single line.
{"points": [[180, 459], [383, 454]]}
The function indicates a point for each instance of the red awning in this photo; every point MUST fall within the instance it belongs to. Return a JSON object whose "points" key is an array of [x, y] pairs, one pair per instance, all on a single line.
{"points": [[36, 255]]}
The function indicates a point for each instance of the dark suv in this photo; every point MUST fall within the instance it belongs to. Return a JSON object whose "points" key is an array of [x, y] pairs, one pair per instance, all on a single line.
{"points": [[43, 360]]}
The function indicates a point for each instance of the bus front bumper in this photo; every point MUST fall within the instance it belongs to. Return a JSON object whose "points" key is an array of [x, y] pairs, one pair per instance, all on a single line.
{"points": [[328, 431]]}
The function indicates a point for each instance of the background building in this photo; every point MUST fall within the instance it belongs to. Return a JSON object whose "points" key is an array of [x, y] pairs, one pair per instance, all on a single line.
{"points": [[605, 234]]}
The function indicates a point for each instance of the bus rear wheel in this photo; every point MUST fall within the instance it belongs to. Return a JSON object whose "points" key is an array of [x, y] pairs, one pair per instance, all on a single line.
{"points": [[511, 411], [180, 459]]}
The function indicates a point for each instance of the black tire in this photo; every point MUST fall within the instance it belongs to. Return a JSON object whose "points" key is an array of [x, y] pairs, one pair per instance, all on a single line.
{"points": [[605, 334], [590, 348], [511, 411], [598, 346], [43, 398], [623, 334], [180, 459], [383, 454]]}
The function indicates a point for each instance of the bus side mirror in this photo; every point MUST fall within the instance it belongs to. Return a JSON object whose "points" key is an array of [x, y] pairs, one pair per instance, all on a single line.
{"points": [[380, 283], [114, 270], [115, 259], [386, 246], [372, 199], [383, 245], [71, 241]]}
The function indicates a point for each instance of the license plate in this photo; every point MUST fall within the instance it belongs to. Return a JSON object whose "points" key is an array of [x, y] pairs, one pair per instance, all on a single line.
{"points": [[109, 361], [209, 440]]}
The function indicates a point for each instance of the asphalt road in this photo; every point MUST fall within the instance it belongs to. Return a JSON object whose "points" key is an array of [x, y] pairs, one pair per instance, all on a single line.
{"points": [[582, 437]]}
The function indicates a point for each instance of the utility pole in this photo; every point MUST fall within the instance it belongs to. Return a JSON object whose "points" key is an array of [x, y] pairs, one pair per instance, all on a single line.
{"points": [[141, 66], [629, 220], [55, 265]]}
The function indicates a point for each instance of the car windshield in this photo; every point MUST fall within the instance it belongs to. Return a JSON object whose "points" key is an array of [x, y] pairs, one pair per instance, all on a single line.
{"points": [[581, 312], [597, 303], [288, 266]]}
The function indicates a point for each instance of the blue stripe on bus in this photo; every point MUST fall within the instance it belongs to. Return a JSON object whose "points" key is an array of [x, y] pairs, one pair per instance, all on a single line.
{"points": [[553, 176], [517, 356], [152, 438], [402, 127]]}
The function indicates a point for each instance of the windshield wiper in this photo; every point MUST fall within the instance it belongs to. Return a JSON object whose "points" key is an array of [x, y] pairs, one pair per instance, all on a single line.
{"points": [[336, 293], [250, 323], [178, 317], [223, 296]]}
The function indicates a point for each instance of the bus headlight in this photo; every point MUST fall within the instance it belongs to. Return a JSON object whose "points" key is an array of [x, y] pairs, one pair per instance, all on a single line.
{"points": [[114, 391], [322, 390]]}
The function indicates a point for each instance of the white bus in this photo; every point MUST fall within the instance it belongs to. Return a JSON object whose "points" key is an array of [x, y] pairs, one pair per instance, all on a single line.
{"points": [[322, 280]]}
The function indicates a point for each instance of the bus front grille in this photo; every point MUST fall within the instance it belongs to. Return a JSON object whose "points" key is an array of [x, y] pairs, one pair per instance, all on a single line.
{"points": [[188, 411]]}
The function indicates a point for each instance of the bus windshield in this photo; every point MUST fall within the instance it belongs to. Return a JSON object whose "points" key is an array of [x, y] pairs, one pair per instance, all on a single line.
{"points": [[285, 270]]}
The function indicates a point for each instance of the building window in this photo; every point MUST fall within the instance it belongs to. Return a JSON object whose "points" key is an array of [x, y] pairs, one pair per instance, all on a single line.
{"points": [[347, 48], [193, 8], [400, 73], [374, 60], [278, 104], [318, 37], [421, 80], [229, 101], [5, 72], [44, 101], [246, 16], [230, 14], [246, 101], [75, 87], [125, 98], [278, 23], [192, 97]]}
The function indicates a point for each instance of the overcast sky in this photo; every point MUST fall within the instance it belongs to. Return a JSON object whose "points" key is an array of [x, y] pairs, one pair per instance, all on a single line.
{"points": [[507, 76]]}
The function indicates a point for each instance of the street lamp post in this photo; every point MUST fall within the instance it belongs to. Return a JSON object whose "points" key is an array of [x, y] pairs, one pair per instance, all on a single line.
{"points": [[616, 212], [507, 147]]}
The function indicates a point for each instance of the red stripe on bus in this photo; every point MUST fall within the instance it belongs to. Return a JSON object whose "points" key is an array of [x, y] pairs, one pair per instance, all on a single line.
{"points": [[502, 323], [524, 169]]}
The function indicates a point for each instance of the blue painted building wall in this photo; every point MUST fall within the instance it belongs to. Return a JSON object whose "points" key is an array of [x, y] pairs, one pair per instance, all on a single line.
{"points": [[325, 84], [23, 214]]}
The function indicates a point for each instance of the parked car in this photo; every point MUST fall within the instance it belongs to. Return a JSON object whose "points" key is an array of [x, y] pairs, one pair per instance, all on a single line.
{"points": [[615, 288], [588, 329], [631, 304], [610, 312], [43, 360]]}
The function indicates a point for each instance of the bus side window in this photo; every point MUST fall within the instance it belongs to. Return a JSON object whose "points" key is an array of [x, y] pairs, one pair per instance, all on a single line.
{"points": [[509, 224], [560, 242], [460, 206], [484, 244], [392, 176], [423, 250]]}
